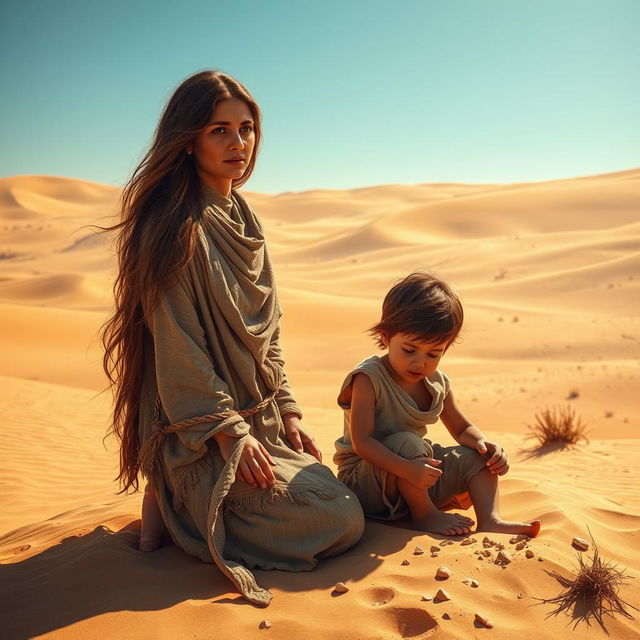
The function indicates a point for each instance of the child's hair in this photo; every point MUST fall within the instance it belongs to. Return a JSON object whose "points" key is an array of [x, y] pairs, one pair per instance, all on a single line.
{"points": [[423, 306]]}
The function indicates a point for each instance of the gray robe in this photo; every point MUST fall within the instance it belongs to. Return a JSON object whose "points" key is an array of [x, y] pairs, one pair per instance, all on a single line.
{"points": [[212, 346]]}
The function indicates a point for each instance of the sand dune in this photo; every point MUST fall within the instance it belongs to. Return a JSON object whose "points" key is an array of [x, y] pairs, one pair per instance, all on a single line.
{"points": [[549, 274]]}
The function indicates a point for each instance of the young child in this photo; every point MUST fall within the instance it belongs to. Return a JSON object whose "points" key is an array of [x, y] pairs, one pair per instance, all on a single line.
{"points": [[388, 402]]}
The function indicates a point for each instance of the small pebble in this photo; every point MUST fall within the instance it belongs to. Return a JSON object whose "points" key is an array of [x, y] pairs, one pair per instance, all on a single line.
{"points": [[266, 624], [480, 558], [443, 543], [426, 598], [443, 572], [499, 545], [467, 541], [405, 562], [486, 545], [418, 551], [434, 555], [503, 558], [446, 616], [442, 595], [341, 587], [520, 545], [472, 582], [513, 540], [484, 621], [520, 596], [486, 553], [434, 549], [540, 559], [448, 542], [580, 543], [529, 553]]}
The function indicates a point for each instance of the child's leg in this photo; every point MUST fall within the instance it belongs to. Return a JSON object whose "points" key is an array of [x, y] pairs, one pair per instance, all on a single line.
{"points": [[425, 516], [483, 489], [152, 529]]}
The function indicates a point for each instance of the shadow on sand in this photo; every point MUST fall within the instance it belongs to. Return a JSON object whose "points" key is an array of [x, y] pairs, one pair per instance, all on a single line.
{"points": [[84, 576]]}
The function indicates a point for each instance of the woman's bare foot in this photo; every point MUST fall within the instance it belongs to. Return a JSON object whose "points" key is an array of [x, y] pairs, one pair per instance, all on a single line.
{"points": [[530, 529], [445, 524], [152, 529]]}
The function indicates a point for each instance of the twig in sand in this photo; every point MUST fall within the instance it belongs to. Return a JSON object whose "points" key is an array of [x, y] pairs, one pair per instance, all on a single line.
{"points": [[593, 593], [558, 425]]}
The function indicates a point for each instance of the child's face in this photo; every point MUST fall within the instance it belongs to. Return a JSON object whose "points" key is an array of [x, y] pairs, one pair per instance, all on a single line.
{"points": [[413, 359]]}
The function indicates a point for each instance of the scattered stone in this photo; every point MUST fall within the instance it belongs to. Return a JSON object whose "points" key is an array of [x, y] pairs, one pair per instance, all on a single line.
{"points": [[443, 573], [520, 545], [513, 540], [540, 559], [503, 558], [443, 543], [483, 620], [486, 540], [434, 549], [529, 553], [418, 551], [472, 582], [442, 596], [498, 545], [434, 555], [486, 553], [446, 616], [341, 587], [405, 562], [486, 545], [480, 558], [426, 598], [468, 541], [581, 544], [520, 596], [265, 624], [448, 542]]}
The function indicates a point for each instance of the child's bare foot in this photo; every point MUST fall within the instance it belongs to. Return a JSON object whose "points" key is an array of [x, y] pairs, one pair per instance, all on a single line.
{"points": [[152, 529], [445, 524], [530, 529]]}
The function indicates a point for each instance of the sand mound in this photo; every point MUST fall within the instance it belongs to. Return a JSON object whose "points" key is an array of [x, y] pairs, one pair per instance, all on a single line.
{"points": [[548, 273]]}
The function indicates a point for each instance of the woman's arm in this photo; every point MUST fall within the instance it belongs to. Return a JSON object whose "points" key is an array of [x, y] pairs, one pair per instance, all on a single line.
{"points": [[189, 385], [284, 398]]}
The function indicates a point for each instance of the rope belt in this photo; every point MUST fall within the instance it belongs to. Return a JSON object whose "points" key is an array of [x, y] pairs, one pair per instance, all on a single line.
{"points": [[159, 432]]}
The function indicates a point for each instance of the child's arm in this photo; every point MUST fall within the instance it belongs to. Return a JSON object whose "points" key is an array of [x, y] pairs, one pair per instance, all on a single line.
{"points": [[467, 434], [363, 402]]}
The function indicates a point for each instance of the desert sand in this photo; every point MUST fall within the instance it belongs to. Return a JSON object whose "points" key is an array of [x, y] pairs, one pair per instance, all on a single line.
{"points": [[550, 279]]}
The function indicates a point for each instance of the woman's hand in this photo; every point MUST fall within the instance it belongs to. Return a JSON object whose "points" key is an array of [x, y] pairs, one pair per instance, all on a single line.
{"points": [[300, 440], [422, 473], [497, 462], [255, 462]]}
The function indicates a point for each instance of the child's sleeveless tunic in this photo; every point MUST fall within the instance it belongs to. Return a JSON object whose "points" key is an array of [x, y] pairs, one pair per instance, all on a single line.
{"points": [[401, 426]]}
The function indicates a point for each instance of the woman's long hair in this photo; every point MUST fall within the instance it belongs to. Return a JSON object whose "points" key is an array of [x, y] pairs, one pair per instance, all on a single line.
{"points": [[156, 238]]}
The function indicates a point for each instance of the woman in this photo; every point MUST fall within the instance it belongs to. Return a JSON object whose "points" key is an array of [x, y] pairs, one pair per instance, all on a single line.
{"points": [[202, 404]]}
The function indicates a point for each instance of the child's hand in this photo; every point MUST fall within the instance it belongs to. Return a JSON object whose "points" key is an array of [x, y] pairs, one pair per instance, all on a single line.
{"points": [[422, 473], [300, 440], [497, 462]]}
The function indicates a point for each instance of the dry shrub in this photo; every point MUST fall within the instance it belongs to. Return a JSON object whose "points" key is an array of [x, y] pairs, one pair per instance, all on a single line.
{"points": [[558, 425], [593, 593]]}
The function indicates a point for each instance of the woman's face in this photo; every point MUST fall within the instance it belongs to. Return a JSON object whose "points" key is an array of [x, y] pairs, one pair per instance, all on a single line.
{"points": [[223, 149]]}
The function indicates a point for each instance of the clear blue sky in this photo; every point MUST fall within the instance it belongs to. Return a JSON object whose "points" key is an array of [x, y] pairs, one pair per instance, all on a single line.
{"points": [[353, 93]]}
